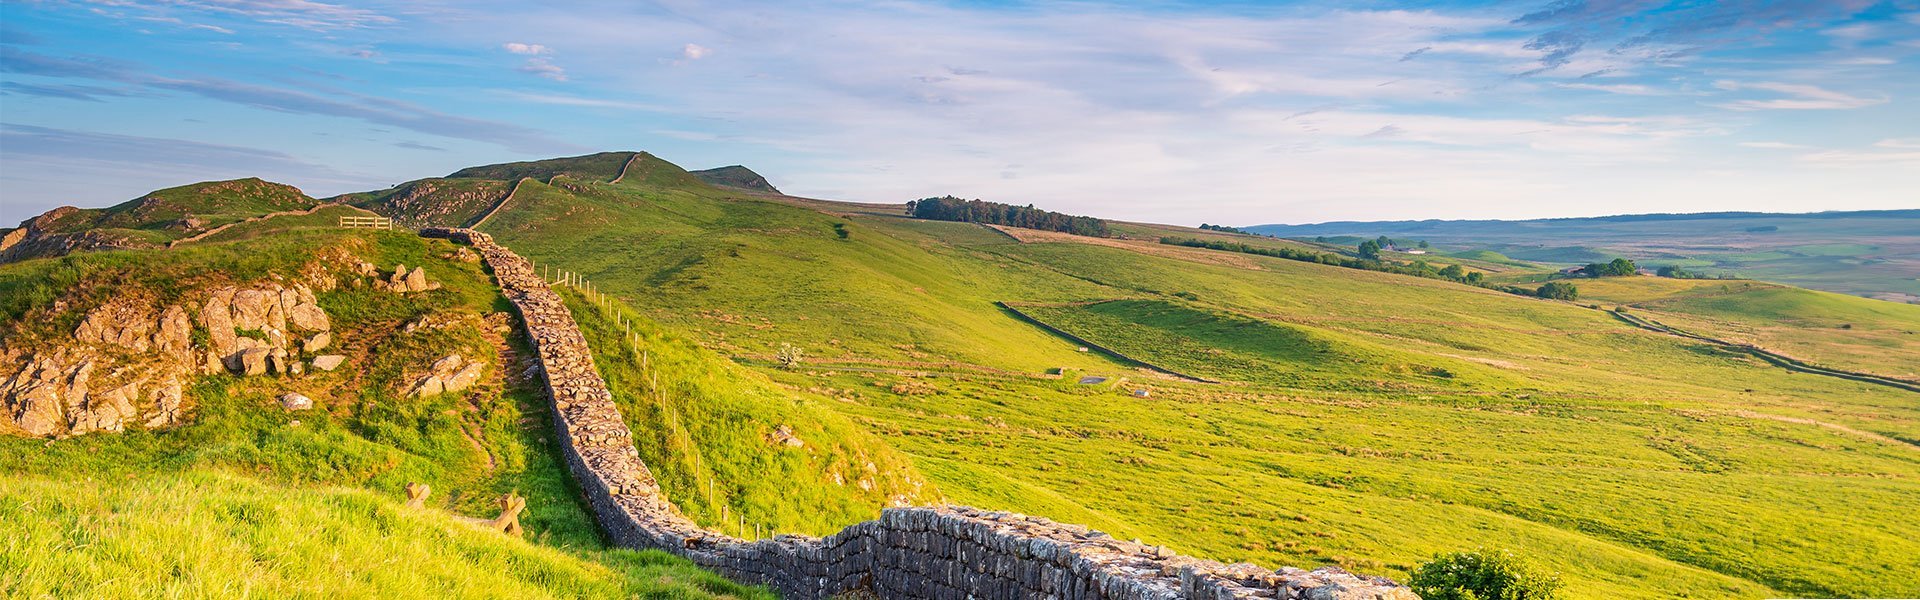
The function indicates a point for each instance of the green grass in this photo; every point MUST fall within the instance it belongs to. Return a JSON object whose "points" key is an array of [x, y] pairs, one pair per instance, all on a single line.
{"points": [[262, 493], [1637, 464], [1830, 329], [705, 427], [213, 535]]}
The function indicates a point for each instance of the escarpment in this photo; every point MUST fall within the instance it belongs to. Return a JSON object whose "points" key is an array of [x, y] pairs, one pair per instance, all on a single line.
{"points": [[926, 552]]}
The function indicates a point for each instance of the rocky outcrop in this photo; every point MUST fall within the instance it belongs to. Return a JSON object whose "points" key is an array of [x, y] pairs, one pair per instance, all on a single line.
{"points": [[935, 552], [404, 281], [129, 359], [447, 375]]}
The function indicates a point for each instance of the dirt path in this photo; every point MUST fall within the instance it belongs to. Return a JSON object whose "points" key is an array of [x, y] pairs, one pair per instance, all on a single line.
{"points": [[285, 213]]}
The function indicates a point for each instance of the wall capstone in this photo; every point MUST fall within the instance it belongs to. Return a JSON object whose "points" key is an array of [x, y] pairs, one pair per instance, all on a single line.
{"points": [[935, 553]]}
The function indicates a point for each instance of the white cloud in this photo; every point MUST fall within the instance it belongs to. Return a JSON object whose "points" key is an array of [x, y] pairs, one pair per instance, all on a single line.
{"points": [[529, 49], [1801, 97], [1628, 89], [544, 68], [1772, 145], [694, 52], [1902, 143]]}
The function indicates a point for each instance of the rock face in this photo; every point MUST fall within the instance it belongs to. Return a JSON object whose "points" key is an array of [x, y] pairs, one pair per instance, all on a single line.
{"points": [[128, 362], [935, 553]]}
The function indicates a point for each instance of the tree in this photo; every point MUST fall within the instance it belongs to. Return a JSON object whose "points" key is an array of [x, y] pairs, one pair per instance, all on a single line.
{"points": [[1384, 242], [1370, 250], [1453, 272], [1482, 575], [1621, 267], [1555, 290], [1423, 244]]}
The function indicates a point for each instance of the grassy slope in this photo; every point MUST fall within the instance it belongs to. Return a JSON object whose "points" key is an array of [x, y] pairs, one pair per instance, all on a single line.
{"points": [[1632, 461], [470, 447], [1831, 329], [209, 535]]}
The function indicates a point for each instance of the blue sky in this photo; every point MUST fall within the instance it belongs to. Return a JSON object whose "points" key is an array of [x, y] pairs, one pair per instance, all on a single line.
{"points": [[1240, 113]]}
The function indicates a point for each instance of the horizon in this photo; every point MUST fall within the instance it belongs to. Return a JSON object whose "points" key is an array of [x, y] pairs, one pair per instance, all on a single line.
{"points": [[1285, 113]]}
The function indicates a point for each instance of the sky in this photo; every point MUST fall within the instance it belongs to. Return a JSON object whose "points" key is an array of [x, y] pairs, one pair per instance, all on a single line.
{"points": [[1238, 113]]}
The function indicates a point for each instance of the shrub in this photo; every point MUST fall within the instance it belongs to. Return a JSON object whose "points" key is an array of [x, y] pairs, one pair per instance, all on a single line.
{"points": [[1482, 575]]}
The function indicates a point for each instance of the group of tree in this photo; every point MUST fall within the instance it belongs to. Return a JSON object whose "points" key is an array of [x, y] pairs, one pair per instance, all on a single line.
{"points": [[1455, 273], [1619, 267], [949, 208], [1226, 229]]}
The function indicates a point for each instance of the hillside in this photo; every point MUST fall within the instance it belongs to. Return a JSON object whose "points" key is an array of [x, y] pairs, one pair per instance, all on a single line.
{"points": [[1341, 461], [736, 176], [792, 365], [131, 467], [1864, 253], [152, 220]]}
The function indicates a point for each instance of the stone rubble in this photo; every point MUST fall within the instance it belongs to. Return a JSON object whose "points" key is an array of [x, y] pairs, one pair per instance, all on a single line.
{"points": [[939, 553]]}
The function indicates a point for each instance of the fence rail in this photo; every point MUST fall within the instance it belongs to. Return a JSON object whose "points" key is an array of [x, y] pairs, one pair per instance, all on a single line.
{"points": [[357, 222]]}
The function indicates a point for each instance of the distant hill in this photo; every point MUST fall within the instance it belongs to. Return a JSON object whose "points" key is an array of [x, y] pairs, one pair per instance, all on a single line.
{"points": [[152, 220], [736, 176], [1868, 253]]}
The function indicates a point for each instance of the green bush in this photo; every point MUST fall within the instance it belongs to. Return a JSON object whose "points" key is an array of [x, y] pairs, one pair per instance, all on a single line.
{"points": [[1482, 575]]}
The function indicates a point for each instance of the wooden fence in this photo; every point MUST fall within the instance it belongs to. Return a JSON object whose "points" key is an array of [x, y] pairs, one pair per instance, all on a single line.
{"points": [[357, 222]]}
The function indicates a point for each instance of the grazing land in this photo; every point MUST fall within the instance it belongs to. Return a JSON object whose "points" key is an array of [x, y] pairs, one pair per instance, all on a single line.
{"points": [[793, 365], [1866, 253]]}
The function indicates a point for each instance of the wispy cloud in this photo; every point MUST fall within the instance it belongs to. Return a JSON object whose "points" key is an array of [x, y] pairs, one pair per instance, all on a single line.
{"points": [[1772, 145], [304, 14], [1800, 97], [531, 49]]}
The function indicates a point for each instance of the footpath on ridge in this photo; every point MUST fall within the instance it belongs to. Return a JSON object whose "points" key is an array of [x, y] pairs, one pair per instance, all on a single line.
{"points": [[938, 553]]}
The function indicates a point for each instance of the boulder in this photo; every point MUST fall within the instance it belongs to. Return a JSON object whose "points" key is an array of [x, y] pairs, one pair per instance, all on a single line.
{"points": [[253, 308], [446, 364], [297, 368], [428, 386], [277, 360], [105, 411], [292, 401], [216, 317], [309, 317], [328, 362], [173, 335], [417, 280], [398, 282], [466, 377], [249, 362], [318, 342]]}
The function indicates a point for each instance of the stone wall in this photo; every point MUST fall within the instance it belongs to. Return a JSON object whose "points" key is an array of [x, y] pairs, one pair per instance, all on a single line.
{"points": [[937, 553]]}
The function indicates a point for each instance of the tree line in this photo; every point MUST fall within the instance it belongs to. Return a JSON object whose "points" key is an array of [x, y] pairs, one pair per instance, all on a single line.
{"points": [[1553, 290], [949, 208]]}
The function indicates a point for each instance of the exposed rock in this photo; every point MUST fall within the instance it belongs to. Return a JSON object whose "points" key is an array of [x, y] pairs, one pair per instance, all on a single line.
{"points": [[174, 335], [309, 317], [166, 400], [417, 280], [318, 342], [297, 368], [216, 316], [254, 309], [119, 324], [466, 377], [783, 436], [278, 361], [251, 361], [293, 401], [328, 362], [428, 386]]}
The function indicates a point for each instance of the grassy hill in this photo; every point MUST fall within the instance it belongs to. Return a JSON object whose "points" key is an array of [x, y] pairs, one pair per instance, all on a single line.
{"points": [[1828, 329], [152, 220], [246, 498], [1363, 419], [1438, 417], [736, 176]]}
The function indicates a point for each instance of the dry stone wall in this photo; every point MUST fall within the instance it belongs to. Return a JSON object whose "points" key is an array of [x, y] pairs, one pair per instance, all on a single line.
{"points": [[937, 553]]}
